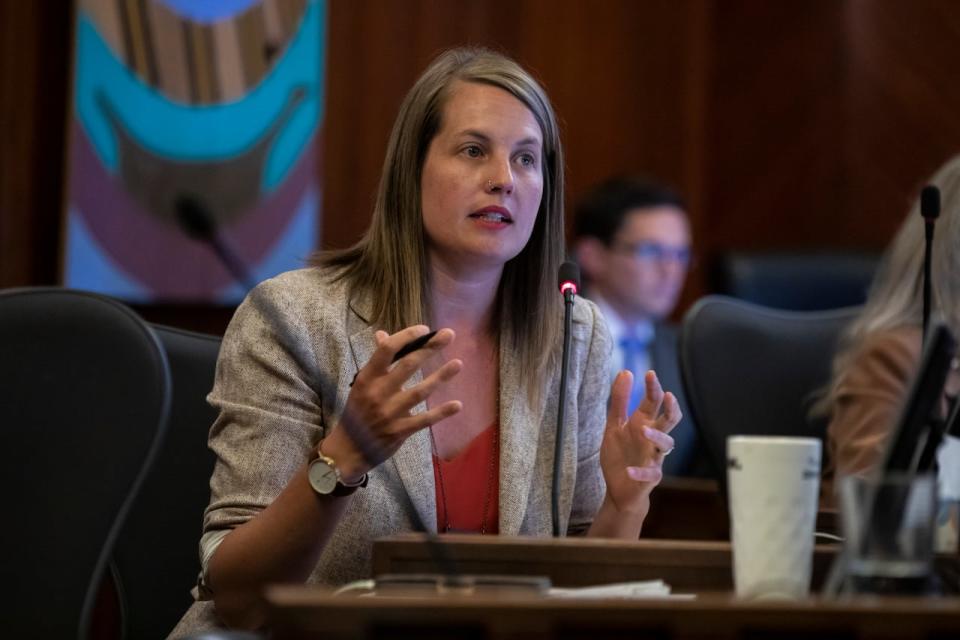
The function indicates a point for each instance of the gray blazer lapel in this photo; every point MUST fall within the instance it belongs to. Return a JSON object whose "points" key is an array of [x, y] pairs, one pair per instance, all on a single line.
{"points": [[413, 462], [519, 436]]}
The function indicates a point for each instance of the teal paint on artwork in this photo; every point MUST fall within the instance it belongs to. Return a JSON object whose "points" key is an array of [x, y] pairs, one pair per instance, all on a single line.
{"points": [[208, 132]]}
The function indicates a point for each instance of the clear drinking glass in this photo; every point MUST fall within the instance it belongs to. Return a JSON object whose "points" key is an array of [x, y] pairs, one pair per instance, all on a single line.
{"points": [[888, 526]]}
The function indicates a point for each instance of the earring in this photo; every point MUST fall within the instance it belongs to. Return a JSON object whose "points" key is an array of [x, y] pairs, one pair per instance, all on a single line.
{"points": [[489, 185]]}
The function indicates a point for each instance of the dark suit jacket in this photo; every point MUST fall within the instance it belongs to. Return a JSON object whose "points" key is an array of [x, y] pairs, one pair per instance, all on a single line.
{"points": [[687, 458]]}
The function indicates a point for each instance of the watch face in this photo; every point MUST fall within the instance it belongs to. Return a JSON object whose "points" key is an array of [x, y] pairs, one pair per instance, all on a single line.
{"points": [[323, 477]]}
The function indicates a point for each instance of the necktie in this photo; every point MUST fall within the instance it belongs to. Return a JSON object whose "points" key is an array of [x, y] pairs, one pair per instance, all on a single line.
{"points": [[636, 359]]}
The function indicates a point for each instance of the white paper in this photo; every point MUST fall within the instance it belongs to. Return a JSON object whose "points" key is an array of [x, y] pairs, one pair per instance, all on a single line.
{"points": [[620, 590]]}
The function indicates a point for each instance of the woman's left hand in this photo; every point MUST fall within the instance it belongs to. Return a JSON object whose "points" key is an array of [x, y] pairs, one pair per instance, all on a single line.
{"points": [[633, 447]]}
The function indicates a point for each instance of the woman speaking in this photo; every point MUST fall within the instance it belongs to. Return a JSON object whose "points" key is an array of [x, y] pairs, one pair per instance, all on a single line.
{"points": [[326, 439]]}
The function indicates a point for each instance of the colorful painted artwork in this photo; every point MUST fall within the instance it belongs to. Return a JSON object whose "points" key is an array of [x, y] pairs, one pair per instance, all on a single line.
{"points": [[218, 103]]}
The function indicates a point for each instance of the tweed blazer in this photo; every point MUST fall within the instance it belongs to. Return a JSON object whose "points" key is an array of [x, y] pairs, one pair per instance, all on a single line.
{"points": [[283, 376], [870, 396]]}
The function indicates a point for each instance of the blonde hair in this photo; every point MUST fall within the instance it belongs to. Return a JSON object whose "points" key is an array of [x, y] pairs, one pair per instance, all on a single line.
{"points": [[390, 262], [896, 294]]}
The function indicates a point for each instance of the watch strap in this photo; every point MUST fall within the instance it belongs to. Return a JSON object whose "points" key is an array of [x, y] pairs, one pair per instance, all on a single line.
{"points": [[341, 489]]}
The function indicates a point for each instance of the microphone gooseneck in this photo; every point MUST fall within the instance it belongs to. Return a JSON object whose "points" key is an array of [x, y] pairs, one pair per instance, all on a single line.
{"points": [[569, 283], [930, 210], [196, 221]]}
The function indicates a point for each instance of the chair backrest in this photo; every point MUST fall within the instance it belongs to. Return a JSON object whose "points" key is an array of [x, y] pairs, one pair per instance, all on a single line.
{"points": [[156, 557], [751, 370], [84, 400], [797, 281]]}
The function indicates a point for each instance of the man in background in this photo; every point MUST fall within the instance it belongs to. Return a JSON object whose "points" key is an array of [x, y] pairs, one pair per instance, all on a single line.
{"points": [[632, 241]]}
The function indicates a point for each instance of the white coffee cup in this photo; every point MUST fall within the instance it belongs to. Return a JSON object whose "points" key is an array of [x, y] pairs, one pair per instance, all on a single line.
{"points": [[773, 485]]}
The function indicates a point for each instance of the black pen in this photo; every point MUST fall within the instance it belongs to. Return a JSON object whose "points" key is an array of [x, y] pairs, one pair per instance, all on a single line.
{"points": [[413, 345], [410, 347]]}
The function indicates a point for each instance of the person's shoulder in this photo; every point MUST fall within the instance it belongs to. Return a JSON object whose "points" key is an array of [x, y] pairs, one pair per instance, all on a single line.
{"points": [[305, 280], [301, 288], [308, 297], [589, 322], [586, 311], [886, 356], [903, 343]]}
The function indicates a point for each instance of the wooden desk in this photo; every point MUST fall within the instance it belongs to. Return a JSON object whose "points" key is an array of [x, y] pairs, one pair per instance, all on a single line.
{"points": [[687, 566], [687, 509], [694, 509], [702, 568], [303, 612]]}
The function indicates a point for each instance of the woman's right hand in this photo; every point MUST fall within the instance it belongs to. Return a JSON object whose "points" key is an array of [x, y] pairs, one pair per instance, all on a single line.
{"points": [[377, 418]]}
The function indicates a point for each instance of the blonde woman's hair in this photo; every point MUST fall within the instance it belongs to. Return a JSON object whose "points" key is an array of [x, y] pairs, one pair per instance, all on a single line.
{"points": [[896, 294], [389, 264]]}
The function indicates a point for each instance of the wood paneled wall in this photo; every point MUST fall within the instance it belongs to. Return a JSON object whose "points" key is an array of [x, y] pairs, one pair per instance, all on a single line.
{"points": [[787, 125], [902, 100], [626, 80], [775, 125], [35, 41]]}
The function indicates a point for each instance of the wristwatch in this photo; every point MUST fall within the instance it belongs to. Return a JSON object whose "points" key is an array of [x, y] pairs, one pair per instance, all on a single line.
{"points": [[325, 477]]}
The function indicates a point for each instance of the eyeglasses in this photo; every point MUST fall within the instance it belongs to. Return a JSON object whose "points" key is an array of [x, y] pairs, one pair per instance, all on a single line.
{"points": [[655, 252]]}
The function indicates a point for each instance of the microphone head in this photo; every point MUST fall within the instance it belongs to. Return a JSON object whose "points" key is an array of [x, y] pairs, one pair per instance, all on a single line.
{"points": [[569, 277], [193, 218], [930, 202]]}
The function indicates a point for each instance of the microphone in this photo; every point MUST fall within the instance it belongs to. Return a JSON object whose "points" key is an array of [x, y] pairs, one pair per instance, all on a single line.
{"points": [[195, 220], [569, 283], [930, 210], [930, 202], [569, 277]]}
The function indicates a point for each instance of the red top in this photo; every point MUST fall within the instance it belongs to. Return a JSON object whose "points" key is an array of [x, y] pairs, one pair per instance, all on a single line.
{"points": [[468, 485]]}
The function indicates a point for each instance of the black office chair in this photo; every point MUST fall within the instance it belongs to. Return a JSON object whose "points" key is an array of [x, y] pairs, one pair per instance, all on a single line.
{"points": [[84, 400], [794, 280], [156, 556], [751, 370]]}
